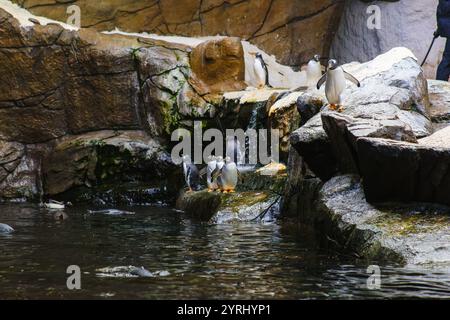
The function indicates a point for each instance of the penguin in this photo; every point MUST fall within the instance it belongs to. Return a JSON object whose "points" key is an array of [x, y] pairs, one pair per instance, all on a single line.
{"points": [[217, 173], [261, 72], [4, 228], [212, 164], [229, 175], [314, 71], [191, 174], [335, 78]]}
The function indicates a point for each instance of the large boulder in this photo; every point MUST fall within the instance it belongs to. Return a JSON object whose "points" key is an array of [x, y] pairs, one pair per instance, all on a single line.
{"points": [[278, 27], [439, 92], [64, 82], [407, 23], [414, 235], [392, 103], [400, 171], [88, 166]]}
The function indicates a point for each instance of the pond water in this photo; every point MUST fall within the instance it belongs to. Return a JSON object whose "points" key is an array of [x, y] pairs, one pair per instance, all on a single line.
{"points": [[188, 260]]}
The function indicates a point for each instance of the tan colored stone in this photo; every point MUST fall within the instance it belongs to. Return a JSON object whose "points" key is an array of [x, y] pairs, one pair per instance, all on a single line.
{"points": [[218, 66]]}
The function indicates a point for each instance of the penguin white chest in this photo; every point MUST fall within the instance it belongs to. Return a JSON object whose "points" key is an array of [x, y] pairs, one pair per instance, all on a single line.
{"points": [[230, 176], [313, 73], [260, 73], [335, 86]]}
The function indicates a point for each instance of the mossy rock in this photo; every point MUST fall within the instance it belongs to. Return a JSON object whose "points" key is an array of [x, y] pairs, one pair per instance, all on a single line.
{"points": [[218, 207]]}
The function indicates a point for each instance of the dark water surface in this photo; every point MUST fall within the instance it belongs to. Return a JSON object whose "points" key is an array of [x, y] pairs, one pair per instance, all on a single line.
{"points": [[189, 260]]}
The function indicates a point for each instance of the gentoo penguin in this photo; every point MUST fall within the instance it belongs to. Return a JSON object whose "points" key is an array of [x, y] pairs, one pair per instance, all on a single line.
{"points": [[191, 174], [217, 173], [229, 175], [335, 84], [261, 71], [314, 71], [212, 165], [4, 228]]}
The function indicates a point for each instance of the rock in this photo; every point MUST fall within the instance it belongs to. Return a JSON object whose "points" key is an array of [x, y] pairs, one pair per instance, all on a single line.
{"points": [[400, 171], [344, 132], [277, 27], [393, 98], [439, 93], [64, 82], [409, 25], [412, 234], [102, 159], [219, 208], [218, 66], [312, 144], [301, 188], [4, 228]]}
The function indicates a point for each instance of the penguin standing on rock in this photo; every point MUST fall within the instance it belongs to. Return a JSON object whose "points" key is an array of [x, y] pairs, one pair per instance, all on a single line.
{"points": [[227, 176], [261, 72], [191, 174], [212, 164], [335, 83], [314, 71]]}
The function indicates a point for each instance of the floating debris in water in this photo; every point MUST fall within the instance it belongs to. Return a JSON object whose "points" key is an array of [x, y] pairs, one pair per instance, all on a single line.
{"points": [[4, 228], [129, 272], [111, 212], [54, 205]]}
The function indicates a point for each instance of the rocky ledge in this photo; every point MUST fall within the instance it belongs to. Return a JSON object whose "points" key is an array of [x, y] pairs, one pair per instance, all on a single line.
{"points": [[373, 181]]}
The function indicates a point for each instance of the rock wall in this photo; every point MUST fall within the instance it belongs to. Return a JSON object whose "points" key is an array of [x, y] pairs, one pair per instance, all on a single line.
{"points": [[61, 84], [407, 23], [292, 30]]}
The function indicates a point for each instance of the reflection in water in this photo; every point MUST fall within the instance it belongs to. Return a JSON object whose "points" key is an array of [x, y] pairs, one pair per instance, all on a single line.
{"points": [[187, 259]]}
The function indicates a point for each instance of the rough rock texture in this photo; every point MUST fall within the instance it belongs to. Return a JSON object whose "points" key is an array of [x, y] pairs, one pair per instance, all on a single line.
{"points": [[399, 171], [392, 102], [226, 208], [414, 235], [59, 83], [100, 159], [439, 92], [278, 27], [344, 132], [256, 198], [408, 23]]}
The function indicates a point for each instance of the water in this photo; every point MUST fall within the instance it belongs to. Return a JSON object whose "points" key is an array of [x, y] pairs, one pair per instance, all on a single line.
{"points": [[188, 260]]}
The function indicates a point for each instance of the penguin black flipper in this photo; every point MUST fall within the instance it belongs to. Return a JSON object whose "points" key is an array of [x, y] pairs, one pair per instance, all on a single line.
{"points": [[321, 81], [351, 78], [193, 177], [264, 65]]}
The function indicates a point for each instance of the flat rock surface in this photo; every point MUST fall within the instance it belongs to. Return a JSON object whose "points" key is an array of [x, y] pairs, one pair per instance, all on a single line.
{"points": [[415, 234]]}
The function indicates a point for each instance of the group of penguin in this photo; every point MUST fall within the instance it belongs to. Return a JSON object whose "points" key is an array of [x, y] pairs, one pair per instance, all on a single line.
{"points": [[222, 174], [334, 78]]}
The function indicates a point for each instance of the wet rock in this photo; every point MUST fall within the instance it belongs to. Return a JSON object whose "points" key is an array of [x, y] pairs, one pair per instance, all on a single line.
{"points": [[300, 189], [399, 171], [4, 228], [225, 208], [410, 234], [393, 97], [313, 145], [94, 161]]}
